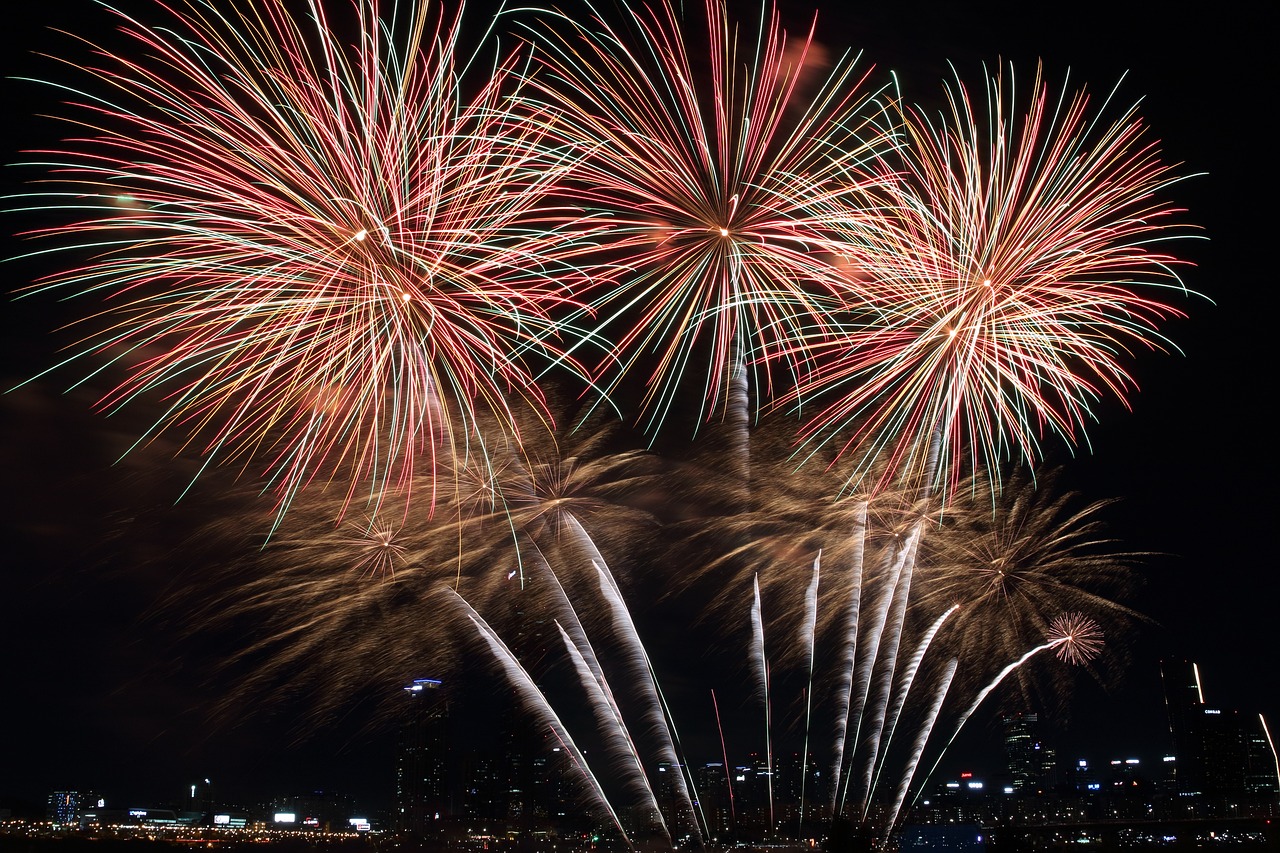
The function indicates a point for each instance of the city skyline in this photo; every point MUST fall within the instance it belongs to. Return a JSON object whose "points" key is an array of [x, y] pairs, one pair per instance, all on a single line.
{"points": [[1208, 506], [512, 783]]}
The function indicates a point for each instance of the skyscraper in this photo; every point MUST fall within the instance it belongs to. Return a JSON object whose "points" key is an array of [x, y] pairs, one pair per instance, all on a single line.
{"points": [[1031, 763], [423, 795], [67, 807], [200, 797], [1262, 768], [1223, 757]]}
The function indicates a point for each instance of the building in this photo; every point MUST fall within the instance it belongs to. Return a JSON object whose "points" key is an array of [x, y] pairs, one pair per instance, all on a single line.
{"points": [[199, 799], [1207, 741], [313, 810], [1262, 769], [1224, 761], [715, 799], [423, 792], [1032, 764], [68, 807]]}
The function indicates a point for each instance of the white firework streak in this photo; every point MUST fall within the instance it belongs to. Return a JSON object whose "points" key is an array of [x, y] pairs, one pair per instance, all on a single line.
{"points": [[845, 691], [904, 687], [762, 669], [579, 646], [869, 657], [921, 739], [659, 715], [982, 694], [538, 704], [902, 591], [808, 636], [617, 738]]}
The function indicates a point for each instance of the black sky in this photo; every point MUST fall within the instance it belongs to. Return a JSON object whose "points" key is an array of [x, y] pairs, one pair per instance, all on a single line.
{"points": [[91, 700]]}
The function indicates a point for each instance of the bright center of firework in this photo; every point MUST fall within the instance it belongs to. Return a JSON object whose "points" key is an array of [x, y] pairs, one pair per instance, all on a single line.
{"points": [[406, 297], [986, 282], [724, 232], [951, 333], [361, 234]]}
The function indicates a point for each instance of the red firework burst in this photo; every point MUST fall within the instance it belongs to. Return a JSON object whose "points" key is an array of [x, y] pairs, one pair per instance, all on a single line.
{"points": [[317, 249], [1077, 638]]}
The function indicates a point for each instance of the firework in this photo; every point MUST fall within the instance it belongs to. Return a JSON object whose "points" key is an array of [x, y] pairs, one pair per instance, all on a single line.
{"points": [[1015, 565], [330, 261], [865, 640], [1016, 268], [1078, 638], [714, 174], [774, 531], [338, 270], [534, 700], [909, 599], [350, 594]]}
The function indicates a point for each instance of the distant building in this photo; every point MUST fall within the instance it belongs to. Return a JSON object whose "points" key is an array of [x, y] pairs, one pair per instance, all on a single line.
{"points": [[68, 807], [753, 795], [200, 797], [1223, 759], [1262, 770], [423, 795], [313, 810], [951, 838], [1084, 778], [130, 817], [1031, 763], [484, 786], [715, 798], [554, 791]]}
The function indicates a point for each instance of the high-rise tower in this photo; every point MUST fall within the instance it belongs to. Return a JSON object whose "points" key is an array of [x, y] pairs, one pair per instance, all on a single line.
{"points": [[423, 792], [1210, 743], [1031, 763]]}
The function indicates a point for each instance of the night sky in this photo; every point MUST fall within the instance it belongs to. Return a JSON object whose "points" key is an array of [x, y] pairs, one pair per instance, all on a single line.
{"points": [[98, 695]]}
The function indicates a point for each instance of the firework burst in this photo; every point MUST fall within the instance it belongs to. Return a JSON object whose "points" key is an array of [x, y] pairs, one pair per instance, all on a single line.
{"points": [[332, 265], [1015, 270], [1078, 638], [1016, 564], [330, 259], [714, 173]]}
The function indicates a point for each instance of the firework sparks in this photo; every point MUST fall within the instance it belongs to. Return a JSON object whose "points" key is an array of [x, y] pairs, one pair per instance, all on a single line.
{"points": [[379, 546], [537, 703], [713, 197], [335, 267], [1077, 637], [1015, 269], [1015, 565], [331, 262]]}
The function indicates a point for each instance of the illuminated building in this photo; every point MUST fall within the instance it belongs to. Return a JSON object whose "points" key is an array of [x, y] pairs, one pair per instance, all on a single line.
{"points": [[422, 760], [715, 797], [553, 791], [68, 807], [200, 797], [314, 810], [1262, 769], [484, 788], [1032, 764], [1223, 758], [752, 784]]}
